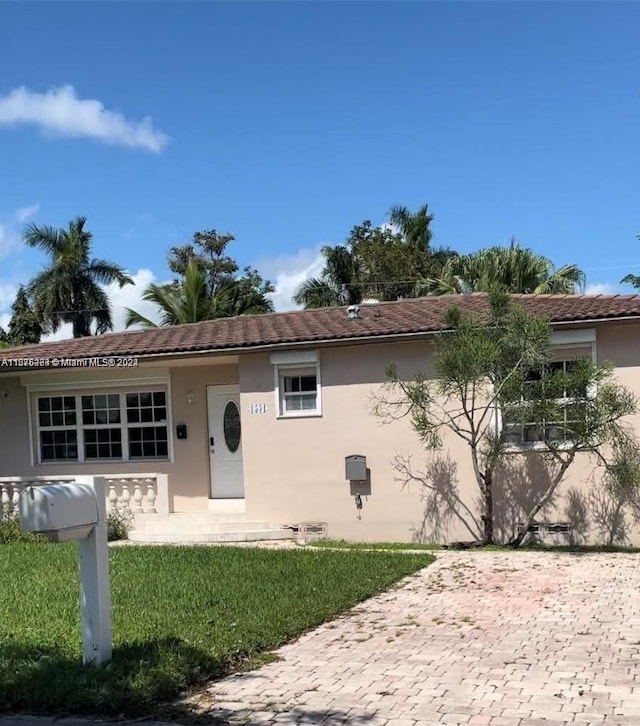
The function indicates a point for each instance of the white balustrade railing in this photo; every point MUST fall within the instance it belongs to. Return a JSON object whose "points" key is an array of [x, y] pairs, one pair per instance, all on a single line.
{"points": [[127, 494]]}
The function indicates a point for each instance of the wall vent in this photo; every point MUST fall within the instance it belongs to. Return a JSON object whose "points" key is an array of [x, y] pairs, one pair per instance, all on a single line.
{"points": [[549, 533], [308, 530]]}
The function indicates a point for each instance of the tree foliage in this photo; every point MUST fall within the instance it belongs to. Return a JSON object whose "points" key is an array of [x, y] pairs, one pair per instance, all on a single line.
{"points": [[24, 326], [339, 283], [207, 285], [497, 367], [69, 289], [415, 227], [631, 279], [512, 268], [385, 263]]}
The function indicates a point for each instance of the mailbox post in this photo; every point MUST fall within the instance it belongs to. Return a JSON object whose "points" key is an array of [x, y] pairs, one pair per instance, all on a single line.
{"points": [[95, 596], [77, 511]]}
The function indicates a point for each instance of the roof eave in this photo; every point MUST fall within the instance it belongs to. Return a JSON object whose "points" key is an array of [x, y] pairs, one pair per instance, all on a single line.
{"points": [[325, 342]]}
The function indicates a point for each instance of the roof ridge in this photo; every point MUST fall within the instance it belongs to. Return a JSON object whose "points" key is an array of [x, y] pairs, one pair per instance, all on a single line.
{"points": [[412, 316]]}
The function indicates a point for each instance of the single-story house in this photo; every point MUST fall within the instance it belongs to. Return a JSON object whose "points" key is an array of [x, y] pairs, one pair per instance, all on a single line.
{"points": [[243, 425]]}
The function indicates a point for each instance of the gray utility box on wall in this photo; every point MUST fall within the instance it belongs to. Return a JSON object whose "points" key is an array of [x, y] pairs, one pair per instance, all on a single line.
{"points": [[357, 475], [355, 467]]}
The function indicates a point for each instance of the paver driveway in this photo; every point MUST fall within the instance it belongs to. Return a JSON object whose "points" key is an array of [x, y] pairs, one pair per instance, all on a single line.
{"points": [[477, 638]]}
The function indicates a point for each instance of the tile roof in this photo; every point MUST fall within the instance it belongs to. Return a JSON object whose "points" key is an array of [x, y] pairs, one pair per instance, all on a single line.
{"points": [[404, 317]]}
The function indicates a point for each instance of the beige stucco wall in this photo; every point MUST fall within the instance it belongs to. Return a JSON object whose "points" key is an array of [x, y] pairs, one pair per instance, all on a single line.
{"points": [[294, 468]]}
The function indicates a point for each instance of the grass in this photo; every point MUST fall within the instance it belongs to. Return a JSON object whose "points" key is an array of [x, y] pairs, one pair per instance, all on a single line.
{"points": [[181, 616], [344, 544]]}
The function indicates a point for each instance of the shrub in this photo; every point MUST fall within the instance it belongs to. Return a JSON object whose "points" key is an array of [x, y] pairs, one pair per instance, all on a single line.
{"points": [[118, 526], [10, 531]]}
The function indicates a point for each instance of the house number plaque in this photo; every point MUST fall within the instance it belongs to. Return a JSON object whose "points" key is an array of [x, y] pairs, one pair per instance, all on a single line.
{"points": [[257, 408]]}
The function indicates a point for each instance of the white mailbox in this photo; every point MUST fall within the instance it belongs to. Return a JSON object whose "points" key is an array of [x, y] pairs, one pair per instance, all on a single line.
{"points": [[61, 512], [77, 511]]}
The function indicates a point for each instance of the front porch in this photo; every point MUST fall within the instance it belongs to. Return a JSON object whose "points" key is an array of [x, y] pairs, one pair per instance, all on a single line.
{"points": [[142, 500]]}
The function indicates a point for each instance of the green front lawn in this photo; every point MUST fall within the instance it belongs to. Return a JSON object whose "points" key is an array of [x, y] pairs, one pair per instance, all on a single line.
{"points": [[181, 616]]}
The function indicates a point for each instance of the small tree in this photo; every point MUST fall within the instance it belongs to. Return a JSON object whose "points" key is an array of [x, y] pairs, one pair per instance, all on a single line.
{"points": [[492, 373], [24, 326], [208, 250]]}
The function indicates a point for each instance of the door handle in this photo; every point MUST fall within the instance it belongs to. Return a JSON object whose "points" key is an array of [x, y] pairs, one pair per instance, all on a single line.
{"points": [[211, 441]]}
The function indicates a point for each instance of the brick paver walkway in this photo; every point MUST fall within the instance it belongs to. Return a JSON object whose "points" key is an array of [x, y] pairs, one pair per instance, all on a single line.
{"points": [[508, 639]]}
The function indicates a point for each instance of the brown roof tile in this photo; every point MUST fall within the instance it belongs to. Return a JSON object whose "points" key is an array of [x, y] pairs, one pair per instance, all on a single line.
{"points": [[415, 316]]}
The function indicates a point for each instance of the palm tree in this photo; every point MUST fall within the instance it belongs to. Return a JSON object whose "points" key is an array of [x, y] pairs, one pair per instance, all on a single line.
{"points": [[513, 268], [190, 301], [69, 289], [337, 285], [415, 227]]}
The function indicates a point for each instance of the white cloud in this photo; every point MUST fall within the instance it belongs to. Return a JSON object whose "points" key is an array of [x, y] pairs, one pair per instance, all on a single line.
{"points": [[8, 293], [130, 296], [60, 111], [25, 213], [9, 239], [288, 272], [10, 233], [390, 227], [602, 288]]}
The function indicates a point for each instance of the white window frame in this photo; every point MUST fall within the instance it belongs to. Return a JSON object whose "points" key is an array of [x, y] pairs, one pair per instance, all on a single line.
{"points": [[297, 363], [53, 392], [562, 342], [96, 427], [63, 427]]}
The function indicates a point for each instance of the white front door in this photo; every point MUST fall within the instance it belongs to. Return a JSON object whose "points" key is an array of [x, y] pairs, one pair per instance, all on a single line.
{"points": [[225, 442]]}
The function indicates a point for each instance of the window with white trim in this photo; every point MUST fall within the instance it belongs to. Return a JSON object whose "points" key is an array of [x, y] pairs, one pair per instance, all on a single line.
{"points": [[299, 391], [123, 426], [297, 383], [521, 431]]}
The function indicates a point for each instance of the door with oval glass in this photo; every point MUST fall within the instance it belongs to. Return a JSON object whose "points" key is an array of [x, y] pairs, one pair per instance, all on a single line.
{"points": [[225, 442]]}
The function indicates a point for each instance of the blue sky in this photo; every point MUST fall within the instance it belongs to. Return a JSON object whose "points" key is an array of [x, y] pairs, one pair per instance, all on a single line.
{"points": [[288, 123]]}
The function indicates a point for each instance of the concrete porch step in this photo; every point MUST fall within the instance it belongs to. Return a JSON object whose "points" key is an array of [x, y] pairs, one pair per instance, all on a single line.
{"points": [[204, 527], [212, 524], [255, 535], [191, 517]]}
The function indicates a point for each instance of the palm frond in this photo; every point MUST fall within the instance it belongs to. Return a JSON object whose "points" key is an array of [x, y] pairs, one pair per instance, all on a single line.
{"points": [[514, 269], [414, 226], [107, 273], [135, 318], [48, 239], [316, 293], [566, 280]]}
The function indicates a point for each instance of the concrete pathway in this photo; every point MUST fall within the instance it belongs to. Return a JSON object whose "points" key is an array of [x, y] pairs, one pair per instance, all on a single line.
{"points": [[507, 639]]}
